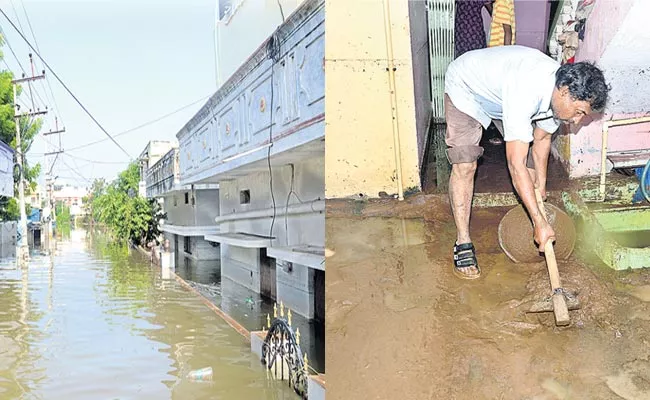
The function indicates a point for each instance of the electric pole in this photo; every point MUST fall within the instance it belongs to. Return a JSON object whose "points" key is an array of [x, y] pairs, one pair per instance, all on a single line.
{"points": [[22, 249], [49, 211]]}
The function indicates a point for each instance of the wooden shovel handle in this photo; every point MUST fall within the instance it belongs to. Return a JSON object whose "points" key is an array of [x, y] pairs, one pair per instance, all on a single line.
{"points": [[559, 302], [549, 252]]}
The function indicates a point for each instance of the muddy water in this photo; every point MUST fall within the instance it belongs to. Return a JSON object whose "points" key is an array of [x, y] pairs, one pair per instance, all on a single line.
{"points": [[400, 325], [248, 308], [92, 321]]}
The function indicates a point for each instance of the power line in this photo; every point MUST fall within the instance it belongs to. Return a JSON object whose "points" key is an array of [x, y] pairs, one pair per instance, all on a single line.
{"points": [[75, 171], [141, 125], [97, 162], [63, 84], [6, 39], [29, 23]]}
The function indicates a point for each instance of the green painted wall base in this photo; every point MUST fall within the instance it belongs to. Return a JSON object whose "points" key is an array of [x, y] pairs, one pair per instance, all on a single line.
{"points": [[599, 224]]}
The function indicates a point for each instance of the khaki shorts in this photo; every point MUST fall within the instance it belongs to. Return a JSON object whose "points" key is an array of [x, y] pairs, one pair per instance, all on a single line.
{"points": [[464, 134]]}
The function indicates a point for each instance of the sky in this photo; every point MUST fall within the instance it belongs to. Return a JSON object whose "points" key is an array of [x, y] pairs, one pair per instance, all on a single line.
{"points": [[129, 62]]}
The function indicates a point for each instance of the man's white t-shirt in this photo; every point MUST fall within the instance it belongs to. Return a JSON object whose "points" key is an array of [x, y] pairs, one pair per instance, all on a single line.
{"points": [[509, 83]]}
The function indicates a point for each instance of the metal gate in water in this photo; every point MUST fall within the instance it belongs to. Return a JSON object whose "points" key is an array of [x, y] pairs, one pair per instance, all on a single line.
{"points": [[282, 355]]}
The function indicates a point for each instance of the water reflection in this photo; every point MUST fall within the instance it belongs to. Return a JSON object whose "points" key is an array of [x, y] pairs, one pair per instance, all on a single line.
{"points": [[249, 308], [91, 320]]}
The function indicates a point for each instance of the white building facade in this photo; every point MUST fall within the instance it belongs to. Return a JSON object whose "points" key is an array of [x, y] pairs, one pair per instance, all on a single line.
{"points": [[247, 180]]}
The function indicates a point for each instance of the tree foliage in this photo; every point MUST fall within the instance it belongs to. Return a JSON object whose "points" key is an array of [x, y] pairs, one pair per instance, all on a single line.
{"points": [[29, 129], [128, 216]]}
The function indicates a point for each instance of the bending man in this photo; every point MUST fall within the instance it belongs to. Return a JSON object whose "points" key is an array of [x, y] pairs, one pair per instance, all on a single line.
{"points": [[527, 94]]}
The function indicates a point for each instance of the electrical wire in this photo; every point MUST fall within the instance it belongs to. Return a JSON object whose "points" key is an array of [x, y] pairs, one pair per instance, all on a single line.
{"points": [[273, 49], [97, 162], [31, 29], [11, 49], [75, 171], [141, 125], [63, 84], [281, 10]]}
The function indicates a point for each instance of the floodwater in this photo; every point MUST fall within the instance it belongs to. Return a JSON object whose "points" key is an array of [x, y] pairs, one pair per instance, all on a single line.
{"points": [[250, 309], [400, 325], [93, 321]]}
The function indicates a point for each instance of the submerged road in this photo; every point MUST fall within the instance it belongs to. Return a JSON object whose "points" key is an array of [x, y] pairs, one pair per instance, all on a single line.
{"points": [[94, 321]]}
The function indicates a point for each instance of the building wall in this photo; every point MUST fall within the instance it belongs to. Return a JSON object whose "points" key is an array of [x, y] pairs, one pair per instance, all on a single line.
{"points": [[360, 150], [531, 20], [179, 213], [241, 265], [308, 185], [239, 36], [295, 288], [617, 39], [202, 213], [207, 206], [6, 170]]}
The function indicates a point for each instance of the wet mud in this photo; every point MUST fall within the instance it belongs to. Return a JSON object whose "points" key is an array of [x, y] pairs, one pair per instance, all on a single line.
{"points": [[516, 225], [400, 325]]}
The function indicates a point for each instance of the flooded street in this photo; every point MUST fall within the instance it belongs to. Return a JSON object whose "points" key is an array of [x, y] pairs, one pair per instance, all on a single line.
{"points": [[248, 308], [93, 321], [418, 332]]}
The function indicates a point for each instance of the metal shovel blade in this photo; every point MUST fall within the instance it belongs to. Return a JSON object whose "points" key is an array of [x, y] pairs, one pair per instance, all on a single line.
{"points": [[572, 303]]}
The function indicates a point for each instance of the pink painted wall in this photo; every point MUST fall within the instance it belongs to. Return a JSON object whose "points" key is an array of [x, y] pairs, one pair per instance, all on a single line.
{"points": [[607, 27], [603, 22], [531, 20]]}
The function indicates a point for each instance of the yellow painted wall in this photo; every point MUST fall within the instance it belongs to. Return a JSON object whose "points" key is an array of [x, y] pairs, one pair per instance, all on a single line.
{"points": [[359, 146]]}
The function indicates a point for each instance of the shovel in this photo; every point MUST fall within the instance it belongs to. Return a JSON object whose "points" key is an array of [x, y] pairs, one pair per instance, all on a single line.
{"points": [[560, 301]]}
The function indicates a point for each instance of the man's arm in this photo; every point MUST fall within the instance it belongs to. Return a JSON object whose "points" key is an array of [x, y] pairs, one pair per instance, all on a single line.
{"points": [[516, 154], [541, 150]]}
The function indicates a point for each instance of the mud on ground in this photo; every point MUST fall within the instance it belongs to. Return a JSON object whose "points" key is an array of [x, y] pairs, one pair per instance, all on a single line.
{"points": [[400, 325]]}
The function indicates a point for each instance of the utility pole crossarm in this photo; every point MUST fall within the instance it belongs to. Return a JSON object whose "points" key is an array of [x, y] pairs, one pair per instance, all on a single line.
{"points": [[30, 114], [53, 132], [28, 78]]}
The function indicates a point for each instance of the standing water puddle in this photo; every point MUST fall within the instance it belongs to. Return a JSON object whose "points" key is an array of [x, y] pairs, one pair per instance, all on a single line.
{"points": [[401, 325], [248, 308], [93, 321]]}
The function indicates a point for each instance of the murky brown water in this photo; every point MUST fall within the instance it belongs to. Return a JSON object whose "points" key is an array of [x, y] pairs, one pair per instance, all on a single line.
{"points": [[400, 325], [93, 322]]}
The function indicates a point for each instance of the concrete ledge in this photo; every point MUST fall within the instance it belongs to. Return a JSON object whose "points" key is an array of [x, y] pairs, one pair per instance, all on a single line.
{"points": [[257, 342], [198, 230], [310, 256], [608, 250], [316, 387], [239, 240]]}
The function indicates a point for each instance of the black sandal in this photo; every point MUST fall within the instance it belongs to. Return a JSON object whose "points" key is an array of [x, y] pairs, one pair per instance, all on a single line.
{"points": [[464, 257]]}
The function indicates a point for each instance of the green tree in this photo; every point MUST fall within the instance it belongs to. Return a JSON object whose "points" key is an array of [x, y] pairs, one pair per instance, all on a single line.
{"points": [[29, 129], [63, 218], [128, 216]]}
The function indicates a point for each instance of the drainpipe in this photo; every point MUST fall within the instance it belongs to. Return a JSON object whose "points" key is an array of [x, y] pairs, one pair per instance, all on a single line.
{"points": [[393, 99], [603, 151]]}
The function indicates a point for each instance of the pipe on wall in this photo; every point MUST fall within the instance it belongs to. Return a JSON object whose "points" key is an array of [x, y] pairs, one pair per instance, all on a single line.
{"points": [[294, 209], [603, 151], [393, 99]]}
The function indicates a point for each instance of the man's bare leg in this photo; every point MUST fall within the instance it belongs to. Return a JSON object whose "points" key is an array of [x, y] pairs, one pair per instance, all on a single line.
{"points": [[461, 192]]}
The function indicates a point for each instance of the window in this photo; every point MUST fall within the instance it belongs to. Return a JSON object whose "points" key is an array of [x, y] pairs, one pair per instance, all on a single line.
{"points": [[187, 244], [245, 197], [187, 198]]}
